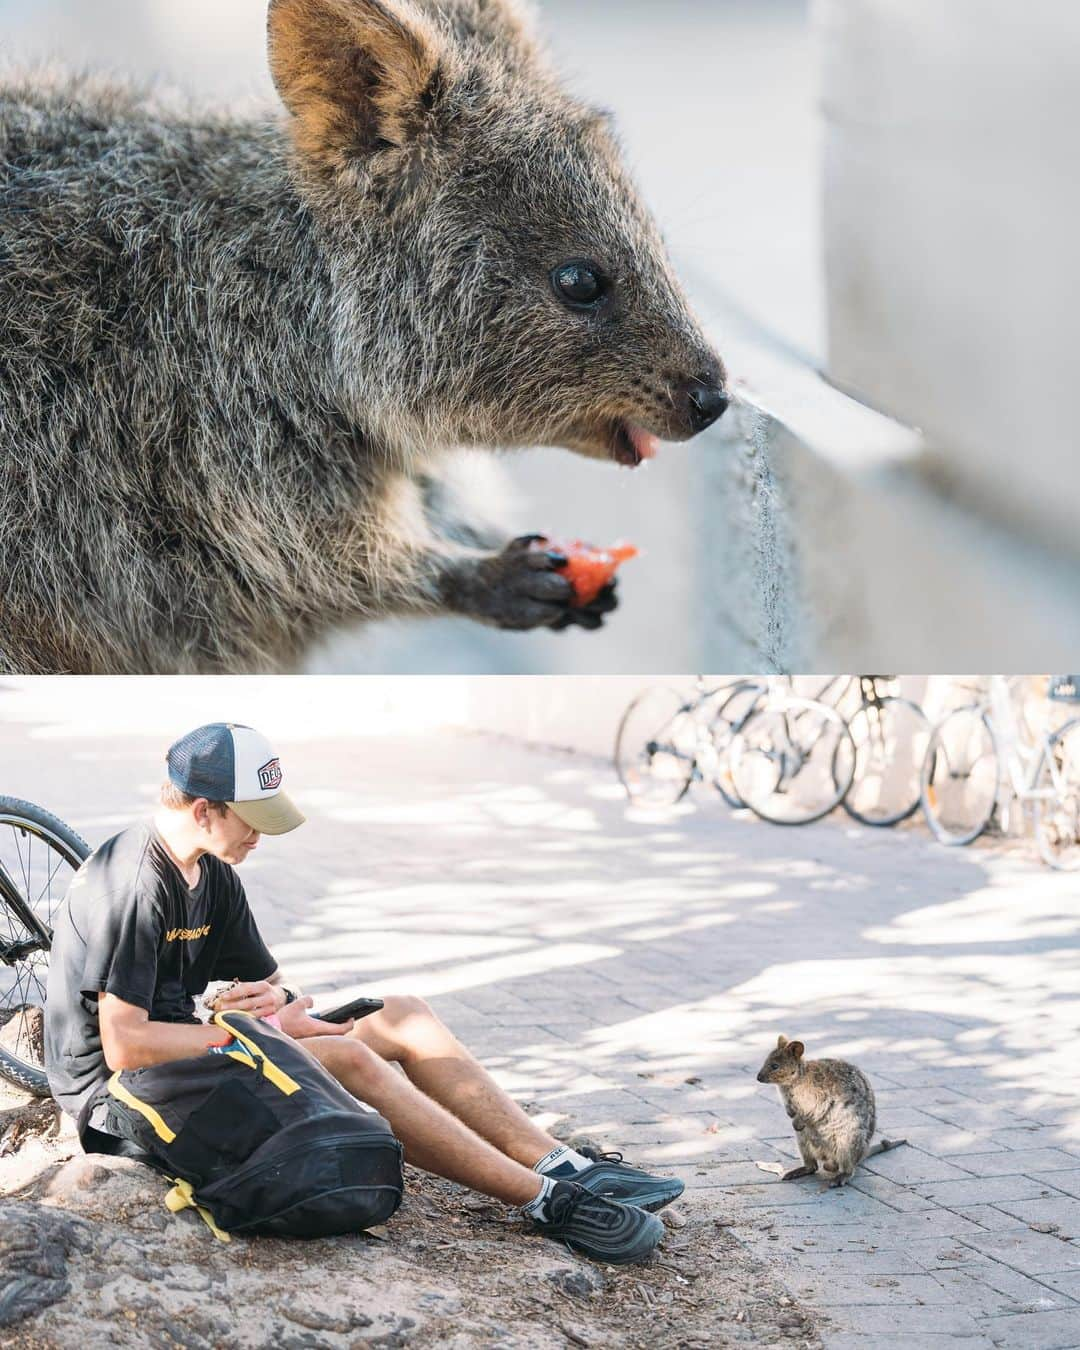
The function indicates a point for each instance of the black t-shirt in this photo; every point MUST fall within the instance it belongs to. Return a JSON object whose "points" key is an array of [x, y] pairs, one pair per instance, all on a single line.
{"points": [[130, 926]]}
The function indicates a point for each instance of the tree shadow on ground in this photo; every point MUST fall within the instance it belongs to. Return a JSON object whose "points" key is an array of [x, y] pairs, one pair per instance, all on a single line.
{"points": [[598, 958]]}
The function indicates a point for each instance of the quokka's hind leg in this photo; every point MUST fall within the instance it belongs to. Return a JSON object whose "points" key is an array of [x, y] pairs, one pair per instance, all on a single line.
{"points": [[787, 1174], [807, 1169], [838, 1170]]}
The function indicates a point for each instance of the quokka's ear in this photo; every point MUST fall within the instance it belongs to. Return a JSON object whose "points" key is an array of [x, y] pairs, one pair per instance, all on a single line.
{"points": [[357, 75], [796, 1049], [508, 24], [781, 1041]]}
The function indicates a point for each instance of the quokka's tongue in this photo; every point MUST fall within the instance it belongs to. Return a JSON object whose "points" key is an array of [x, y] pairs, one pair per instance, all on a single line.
{"points": [[645, 443]]}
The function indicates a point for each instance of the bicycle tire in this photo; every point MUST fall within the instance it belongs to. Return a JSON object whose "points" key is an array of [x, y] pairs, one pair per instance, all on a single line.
{"points": [[670, 788], [937, 763], [721, 779], [748, 759], [1047, 823], [910, 800], [72, 849]]}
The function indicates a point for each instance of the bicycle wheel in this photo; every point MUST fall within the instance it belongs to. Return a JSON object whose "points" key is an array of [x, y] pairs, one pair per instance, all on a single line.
{"points": [[39, 855], [792, 761], [960, 775], [738, 703], [890, 739], [1057, 815], [656, 747]]}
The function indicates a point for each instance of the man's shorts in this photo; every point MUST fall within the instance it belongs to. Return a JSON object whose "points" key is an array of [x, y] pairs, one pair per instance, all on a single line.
{"points": [[110, 1117]]}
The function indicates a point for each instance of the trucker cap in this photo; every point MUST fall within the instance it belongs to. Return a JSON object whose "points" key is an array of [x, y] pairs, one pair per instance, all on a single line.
{"points": [[226, 762]]}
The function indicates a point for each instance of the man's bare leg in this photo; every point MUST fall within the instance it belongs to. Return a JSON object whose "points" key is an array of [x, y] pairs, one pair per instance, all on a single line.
{"points": [[432, 1137], [408, 1033]]}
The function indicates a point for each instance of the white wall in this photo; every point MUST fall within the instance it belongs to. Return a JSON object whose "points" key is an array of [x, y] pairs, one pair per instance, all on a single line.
{"points": [[951, 206]]}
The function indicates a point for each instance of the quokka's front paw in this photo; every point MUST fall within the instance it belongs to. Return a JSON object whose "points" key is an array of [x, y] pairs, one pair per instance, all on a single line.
{"points": [[521, 588]]}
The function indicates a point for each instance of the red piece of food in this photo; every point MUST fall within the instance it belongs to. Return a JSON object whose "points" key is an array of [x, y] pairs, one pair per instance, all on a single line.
{"points": [[589, 569]]}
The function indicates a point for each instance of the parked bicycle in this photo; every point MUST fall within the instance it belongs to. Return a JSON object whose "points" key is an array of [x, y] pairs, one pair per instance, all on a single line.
{"points": [[39, 855], [890, 734], [792, 759], [983, 757], [666, 740]]}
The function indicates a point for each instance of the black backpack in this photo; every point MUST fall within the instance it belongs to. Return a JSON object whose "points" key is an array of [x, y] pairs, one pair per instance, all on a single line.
{"points": [[259, 1139]]}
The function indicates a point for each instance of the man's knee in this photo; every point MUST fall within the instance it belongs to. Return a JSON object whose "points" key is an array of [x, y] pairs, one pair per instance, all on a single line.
{"points": [[402, 1008], [350, 1061], [412, 1031]]}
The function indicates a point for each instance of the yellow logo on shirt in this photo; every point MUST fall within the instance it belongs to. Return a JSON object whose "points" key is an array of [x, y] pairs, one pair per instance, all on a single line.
{"points": [[186, 934]]}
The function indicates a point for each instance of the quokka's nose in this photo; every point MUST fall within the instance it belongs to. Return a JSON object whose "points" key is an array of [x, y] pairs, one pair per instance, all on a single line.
{"points": [[705, 404]]}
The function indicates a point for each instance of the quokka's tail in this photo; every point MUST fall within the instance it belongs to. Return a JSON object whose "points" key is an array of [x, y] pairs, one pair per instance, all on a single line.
{"points": [[883, 1146]]}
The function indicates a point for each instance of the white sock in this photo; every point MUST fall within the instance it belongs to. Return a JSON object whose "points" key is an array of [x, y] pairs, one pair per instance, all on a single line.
{"points": [[562, 1163], [537, 1209]]}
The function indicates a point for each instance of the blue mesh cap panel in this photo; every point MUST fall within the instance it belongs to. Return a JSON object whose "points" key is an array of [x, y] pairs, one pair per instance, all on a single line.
{"points": [[203, 763]]}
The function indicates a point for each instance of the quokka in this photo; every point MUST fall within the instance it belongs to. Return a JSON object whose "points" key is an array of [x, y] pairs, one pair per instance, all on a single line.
{"points": [[237, 354], [832, 1110]]}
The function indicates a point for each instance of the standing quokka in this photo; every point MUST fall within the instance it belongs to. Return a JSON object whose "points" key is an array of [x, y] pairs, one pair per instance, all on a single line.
{"points": [[236, 354], [832, 1109]]}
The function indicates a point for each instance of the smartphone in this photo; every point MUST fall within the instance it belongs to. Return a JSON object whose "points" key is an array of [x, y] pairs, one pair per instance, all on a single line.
{"points": [[359, 1007]]}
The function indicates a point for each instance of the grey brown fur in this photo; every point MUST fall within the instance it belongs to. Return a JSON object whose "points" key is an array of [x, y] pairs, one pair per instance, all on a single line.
{"points": [[234, 355], [832, 1110]]}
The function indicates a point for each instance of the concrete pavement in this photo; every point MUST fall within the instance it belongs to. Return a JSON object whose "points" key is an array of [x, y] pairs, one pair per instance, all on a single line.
{"points": [[628, 975]]}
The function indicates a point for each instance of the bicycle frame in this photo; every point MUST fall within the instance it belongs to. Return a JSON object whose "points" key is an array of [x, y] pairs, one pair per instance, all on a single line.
{"points": [[1019, 761], [792, 756], [13, 952]]}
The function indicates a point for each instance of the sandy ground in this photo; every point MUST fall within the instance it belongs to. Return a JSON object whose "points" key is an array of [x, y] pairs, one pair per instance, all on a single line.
{"points": [[90, 1257]]}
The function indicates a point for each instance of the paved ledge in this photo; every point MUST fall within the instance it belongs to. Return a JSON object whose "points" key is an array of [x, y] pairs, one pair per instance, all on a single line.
{"points": [[836, 546]]}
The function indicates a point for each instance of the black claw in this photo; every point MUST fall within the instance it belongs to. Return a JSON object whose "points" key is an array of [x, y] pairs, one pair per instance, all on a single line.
{"points": [[606, 601]]}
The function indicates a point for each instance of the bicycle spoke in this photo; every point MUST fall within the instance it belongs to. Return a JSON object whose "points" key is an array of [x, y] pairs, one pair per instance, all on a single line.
{"points": [[37, 862], [960, 776], [60, 862], [657, 746], [784, 757], [1057, 800]]}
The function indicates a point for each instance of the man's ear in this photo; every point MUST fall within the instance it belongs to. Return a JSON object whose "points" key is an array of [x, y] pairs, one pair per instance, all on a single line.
{"points": [[781, 1041], [795, 1049], [356, 74]]}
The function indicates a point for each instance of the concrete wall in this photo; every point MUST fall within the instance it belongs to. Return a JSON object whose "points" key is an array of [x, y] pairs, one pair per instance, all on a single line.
{"points": [[951, 209]]}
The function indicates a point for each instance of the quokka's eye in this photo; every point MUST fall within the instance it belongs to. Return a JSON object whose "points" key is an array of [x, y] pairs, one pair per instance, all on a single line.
{"points": [[579, 284]]}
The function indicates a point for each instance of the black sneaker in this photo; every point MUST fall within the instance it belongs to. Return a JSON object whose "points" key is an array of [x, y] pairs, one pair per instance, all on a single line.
{"points": [[614, 1179], [616, 1234]]}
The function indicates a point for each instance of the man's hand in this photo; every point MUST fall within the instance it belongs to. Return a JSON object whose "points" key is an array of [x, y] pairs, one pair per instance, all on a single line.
{"points": [[296, 1023], [259, 997]]}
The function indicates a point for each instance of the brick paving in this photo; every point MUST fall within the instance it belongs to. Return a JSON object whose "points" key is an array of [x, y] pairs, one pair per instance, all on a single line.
{"points": [[628, 975]]}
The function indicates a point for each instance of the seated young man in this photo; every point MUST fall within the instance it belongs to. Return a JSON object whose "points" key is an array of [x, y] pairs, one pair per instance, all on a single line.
{"points": [[158, 912]]}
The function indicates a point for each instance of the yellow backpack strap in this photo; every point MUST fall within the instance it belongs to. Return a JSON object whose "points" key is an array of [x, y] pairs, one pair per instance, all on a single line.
{"points": [[121, 1093], [255, 1053], [182, 1197]]}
